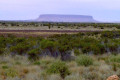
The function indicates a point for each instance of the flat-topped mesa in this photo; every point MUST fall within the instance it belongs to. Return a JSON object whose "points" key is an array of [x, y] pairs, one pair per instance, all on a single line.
{"points": [[65, 18]]}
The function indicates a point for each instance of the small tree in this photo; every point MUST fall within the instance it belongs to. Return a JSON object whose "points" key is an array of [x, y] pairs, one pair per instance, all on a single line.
{"points": [[49, 25]]}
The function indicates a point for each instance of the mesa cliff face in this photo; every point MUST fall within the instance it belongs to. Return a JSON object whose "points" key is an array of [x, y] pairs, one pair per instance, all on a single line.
{"points": [[65, 18]]}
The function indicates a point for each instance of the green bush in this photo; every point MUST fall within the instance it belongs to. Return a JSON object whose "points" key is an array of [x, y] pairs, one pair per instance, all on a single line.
{"points": [[112, 47], [20, 40], [96, 47], [48, 44], [11, 73], [2, 51], [76, 52], [20, 48], [5, 67], [64, 48], [34, 54], [114, 58], [59, 67], [18, 63], [114, 61], [107, 34], [114, 67], [84, 60], [37, 63], [92, 76]]}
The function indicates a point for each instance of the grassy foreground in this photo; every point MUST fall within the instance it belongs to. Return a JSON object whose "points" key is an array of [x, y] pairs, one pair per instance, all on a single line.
{"points": [[84, 67]]}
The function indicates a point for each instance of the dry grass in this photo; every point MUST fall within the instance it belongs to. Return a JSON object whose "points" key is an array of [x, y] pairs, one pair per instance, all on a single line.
{"points": [[54, 28], [19, 67], [44, 34], [27, 34]]}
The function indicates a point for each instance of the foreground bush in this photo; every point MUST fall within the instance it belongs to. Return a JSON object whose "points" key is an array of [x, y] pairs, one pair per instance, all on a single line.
{"points": [[77, 52], [34, 54], [114, 58], [20, 48], [10, 73], [84, 60], [2, 51], [59, 67]]}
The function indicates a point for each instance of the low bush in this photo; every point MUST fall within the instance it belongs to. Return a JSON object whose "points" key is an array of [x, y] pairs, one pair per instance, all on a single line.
{"points": [[48, 44], [92, 76], [59, 67], [10, 73], [2, 51], [84, 60], [114, 67], [5, 67], [114, 58], [20, 48], [34, 54], [37, 63], [76, 52]]}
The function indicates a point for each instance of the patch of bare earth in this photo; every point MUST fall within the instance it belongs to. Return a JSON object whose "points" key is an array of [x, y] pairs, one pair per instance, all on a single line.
{"points": [[44, 33]]}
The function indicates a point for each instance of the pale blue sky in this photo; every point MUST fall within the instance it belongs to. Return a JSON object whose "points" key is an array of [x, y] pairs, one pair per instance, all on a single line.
{"points": [[102, 10]]}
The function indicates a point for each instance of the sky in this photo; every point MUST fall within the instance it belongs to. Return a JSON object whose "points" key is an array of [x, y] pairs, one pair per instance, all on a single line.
{"points": [[101, 10]]}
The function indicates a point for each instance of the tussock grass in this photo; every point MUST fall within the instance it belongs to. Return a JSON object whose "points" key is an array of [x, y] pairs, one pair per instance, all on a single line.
{"points": [[20, 67]]}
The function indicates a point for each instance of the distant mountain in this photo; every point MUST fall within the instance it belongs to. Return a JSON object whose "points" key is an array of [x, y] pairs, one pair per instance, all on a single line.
{"points": [[65, 18]]}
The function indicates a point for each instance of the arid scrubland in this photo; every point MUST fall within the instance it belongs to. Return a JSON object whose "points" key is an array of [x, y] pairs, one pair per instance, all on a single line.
{"points": [[92, 55]]}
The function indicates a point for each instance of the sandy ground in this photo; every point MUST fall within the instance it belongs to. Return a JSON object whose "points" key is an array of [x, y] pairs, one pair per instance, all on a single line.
{"points": [[45, 31], [53, 28]]}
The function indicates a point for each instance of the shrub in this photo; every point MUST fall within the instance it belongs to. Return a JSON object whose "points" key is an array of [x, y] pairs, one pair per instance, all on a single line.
{"points": [[17, 63], [114, 67], [2, 51], [5, 67], [37, 63], [20, 40], [107, 34], [59, 67], [25, 70], [47, 44], [11, 73], [84, 60], [34, 54], [64, 48], [20, 48], [98, 49], [112, 47], [114, 58], [92, 76], [86, 48], [76, 52]]}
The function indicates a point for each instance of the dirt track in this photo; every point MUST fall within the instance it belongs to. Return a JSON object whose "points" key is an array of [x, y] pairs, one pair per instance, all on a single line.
{"points": [[43, 33], [66, 31]]}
